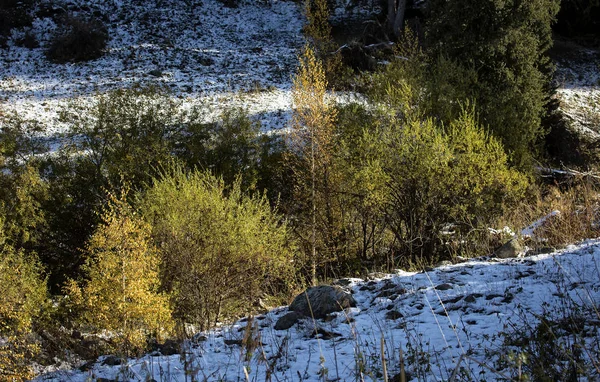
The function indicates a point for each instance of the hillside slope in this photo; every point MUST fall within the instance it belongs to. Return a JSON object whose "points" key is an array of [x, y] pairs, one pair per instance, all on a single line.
{"points": [[482, 308], [204, 52]]}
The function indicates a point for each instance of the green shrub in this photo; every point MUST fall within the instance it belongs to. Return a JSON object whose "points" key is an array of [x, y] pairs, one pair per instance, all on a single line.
{"points": [[363, 189], [74, 195], [221, 250], [130, 134], [80, 40], [446, 173], [22, 189], [442, 180], [22, 195], [127, 134], [478, 179], [229, 147]]}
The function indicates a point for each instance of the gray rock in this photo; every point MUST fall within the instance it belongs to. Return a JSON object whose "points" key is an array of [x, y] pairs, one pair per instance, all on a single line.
{"points": [[111, 360], [444, 286], [155, 73], [510, 249], [288, 320], [324, 334], [342, 282], [324, 299]]}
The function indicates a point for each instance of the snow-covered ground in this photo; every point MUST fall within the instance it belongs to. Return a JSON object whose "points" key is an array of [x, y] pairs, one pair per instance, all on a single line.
{"points": [[578, 80], [435, 317], [205, 53], [208, 55]]}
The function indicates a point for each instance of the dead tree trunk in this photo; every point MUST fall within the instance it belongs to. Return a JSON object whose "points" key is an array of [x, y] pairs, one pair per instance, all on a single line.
{"points": [[395, 16]]}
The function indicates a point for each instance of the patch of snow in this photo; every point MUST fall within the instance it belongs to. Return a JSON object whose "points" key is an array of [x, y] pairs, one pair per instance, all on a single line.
{"points": [[530, 230], [203, 51], [578, 80]]}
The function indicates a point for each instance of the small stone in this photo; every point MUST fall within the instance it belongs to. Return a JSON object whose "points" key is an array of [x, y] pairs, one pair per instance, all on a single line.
{"points": [[470, 299], [453, 300], [199, 338], [111, 360], [444, 286], [342, 282], [324, 334], [206, 61], [492, 296], [87, 366], [393, 315]]}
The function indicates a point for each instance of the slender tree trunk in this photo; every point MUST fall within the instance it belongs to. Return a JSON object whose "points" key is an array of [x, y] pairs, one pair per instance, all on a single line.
{"points": [[313, 238], [395, 16], [391, 13], [399, 21]]}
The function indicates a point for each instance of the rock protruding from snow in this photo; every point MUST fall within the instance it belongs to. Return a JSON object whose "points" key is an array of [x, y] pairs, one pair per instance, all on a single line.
{"points": [[510, 249], [322, 300], [288, 320]]}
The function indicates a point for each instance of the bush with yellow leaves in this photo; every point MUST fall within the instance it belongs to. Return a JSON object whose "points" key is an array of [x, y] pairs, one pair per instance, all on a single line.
{"points": [[23, 295], [121, 297]]}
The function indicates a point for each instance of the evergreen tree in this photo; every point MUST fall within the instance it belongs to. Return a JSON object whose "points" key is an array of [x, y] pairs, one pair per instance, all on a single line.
{"points": [[578, 18], [505, 42]]}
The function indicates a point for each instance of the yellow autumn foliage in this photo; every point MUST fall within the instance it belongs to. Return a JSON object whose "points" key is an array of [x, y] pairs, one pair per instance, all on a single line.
{"points": [[122, 296], [23, 295]]}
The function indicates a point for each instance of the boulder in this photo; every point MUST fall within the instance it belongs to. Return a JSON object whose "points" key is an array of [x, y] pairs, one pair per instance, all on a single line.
{"points": [[510, 249], [288, 320], [324, 299]]}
